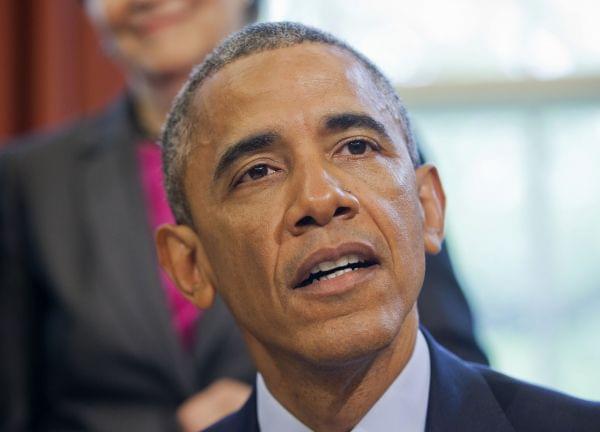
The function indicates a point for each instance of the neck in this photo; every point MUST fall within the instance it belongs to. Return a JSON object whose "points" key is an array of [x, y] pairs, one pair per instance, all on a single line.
{"points": [[152, 98], [336, 399]]}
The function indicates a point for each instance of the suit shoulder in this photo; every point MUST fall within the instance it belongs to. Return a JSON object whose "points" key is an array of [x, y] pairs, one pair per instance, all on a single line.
{"points": [[59, 142], [532, 407], [62, 142]]}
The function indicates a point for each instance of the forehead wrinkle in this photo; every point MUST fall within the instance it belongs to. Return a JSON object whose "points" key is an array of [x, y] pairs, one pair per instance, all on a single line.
{"points": [[264, 63], [358, 79], [365, 87], [212, 102]]}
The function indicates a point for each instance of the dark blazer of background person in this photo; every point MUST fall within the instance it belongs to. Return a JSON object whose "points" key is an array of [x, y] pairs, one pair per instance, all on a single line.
{"points": [[468, 397]]}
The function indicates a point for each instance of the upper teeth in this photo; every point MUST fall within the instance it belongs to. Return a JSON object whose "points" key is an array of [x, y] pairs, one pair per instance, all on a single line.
{"points": [[329, 265]]}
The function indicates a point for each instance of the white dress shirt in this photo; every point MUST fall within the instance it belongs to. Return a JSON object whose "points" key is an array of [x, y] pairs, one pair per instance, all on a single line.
{"points": [[402, 408]]}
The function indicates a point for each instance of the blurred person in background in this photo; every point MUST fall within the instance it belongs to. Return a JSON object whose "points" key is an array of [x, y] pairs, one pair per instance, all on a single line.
{"points": [[95, 336]]}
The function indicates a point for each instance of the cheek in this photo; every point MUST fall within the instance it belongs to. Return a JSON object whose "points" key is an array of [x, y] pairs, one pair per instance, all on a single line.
{"points": [[109, 17], [391, 185], [243, 254], [108, 14], [393, 204], [118, 39], [229, 14]]}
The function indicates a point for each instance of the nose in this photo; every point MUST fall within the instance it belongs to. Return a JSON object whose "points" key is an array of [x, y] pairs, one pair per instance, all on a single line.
{"points": [[318, 199]]}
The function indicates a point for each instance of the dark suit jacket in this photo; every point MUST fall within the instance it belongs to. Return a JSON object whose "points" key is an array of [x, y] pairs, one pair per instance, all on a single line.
{"points": [[86, 337], [467, 397]]}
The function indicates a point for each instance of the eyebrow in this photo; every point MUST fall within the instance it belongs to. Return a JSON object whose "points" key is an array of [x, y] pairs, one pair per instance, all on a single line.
{"points": [[344, 121], [245, 146], [262, 141]]}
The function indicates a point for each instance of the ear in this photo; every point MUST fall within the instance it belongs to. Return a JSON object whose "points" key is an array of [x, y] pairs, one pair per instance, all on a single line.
{"points": [[182, 256], [433, 205]]}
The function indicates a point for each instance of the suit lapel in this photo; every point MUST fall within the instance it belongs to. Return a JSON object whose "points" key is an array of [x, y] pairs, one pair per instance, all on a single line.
{"points": [[243, 420], [459, 397], [248, 418], [125, 265]]}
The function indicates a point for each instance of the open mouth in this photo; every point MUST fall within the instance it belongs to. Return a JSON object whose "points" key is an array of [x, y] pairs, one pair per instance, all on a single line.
{"points": [[331, 269]]}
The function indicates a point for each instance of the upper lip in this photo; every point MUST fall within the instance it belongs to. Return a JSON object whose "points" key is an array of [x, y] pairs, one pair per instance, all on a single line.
{"points": [[364, 250]]}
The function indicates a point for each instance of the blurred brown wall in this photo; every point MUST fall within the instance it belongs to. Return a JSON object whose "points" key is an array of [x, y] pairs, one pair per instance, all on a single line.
{"points": [[51, 66]]}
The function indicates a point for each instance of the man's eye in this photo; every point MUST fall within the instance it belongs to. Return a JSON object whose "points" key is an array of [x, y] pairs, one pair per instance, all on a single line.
{"points": [[256, 173], [357, 147]]}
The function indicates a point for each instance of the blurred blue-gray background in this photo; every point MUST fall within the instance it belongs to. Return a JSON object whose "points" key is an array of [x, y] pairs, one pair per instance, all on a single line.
{"points": [[505, 96]]}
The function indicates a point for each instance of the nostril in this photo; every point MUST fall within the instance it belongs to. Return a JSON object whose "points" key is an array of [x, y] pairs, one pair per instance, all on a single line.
{"points": [[305, 221], [322, 219], [340, 211]]}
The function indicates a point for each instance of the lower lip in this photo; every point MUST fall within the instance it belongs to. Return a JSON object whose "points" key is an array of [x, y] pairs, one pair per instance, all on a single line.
{"points": [[338, 285]]}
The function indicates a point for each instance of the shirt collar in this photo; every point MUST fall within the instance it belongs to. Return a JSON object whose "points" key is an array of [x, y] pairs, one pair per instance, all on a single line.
{"points": [[403, 406]]}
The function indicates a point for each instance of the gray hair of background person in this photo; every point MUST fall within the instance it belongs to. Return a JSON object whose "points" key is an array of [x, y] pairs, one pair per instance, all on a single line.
{"points": [[180, 126]]}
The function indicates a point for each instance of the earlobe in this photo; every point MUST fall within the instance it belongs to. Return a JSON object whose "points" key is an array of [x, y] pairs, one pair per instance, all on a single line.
{"points": [[433, 205], [181, 255]]}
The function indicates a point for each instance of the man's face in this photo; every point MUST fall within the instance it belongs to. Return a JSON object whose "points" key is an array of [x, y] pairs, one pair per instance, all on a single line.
{"points": [[300, 169], [164, 36]]}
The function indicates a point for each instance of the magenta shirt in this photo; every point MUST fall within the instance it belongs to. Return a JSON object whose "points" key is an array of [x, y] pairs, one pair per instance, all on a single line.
{"points": [[184, 313]]}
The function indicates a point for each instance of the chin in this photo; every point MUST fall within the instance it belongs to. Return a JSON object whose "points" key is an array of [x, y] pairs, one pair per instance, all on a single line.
{"points": [[352, 338]]}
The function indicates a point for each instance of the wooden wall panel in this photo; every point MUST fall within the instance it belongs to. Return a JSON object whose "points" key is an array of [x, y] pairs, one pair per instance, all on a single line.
{"points": [[52, 68]]}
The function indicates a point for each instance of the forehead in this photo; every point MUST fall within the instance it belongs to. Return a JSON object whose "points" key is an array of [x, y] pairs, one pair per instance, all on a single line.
{"points": [[303, 83]]}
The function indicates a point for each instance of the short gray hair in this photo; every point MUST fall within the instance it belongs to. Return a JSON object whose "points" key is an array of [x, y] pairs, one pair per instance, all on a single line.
{"points": [[179, 128]]}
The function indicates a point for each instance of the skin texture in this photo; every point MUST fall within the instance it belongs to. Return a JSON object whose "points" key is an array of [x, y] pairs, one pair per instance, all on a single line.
{"points": [[157, 42], [327, 352]]}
